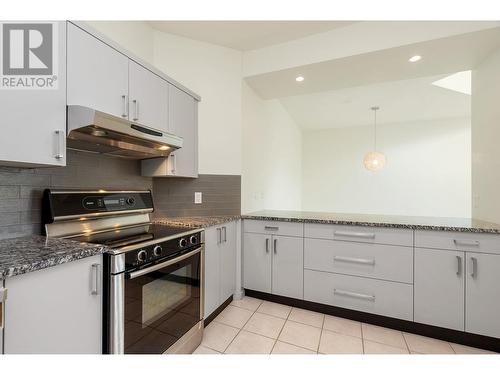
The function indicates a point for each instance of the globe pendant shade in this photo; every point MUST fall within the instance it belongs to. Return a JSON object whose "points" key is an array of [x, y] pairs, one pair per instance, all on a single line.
{"points": [[374, 161]]}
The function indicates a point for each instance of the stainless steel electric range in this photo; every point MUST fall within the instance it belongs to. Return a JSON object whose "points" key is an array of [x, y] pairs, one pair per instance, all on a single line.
{"points": [[153, 273]]}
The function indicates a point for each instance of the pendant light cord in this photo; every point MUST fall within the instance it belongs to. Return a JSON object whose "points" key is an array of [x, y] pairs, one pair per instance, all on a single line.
{"points": [[375, 109]]}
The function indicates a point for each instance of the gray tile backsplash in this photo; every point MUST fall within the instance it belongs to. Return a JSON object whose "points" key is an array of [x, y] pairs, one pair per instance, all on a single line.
{"points": [[175, 197], [21, 190]]}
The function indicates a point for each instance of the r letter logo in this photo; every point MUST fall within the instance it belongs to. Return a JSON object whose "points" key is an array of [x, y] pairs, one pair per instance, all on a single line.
{"points": [[29, 56]]}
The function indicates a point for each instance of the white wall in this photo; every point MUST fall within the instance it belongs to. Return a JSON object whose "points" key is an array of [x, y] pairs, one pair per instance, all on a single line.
{"points": [[427, 173], [486, 139], [135, 36], [211, 71], [272, 155], [215, 74]]}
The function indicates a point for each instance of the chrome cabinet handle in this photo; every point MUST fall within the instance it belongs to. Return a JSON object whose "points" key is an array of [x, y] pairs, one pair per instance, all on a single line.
{"points": [[466, 243], [473, 273], [275, 246], [60, 144], [459, 265], [345, 293], [219, 235], [267, 245], [225, 234], [124, 107], [95, 279], [338, 258], [174, 163], [354, 234], [136, 110], [267, 227], [3, 297]]}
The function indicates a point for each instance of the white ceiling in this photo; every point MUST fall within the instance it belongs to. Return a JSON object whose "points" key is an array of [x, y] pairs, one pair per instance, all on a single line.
{"points": [[400, 102], [439, 56], [246, 35]]}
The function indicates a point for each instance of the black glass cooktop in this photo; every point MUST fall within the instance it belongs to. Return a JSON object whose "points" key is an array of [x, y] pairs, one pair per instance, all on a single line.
{"points": [[128, 236]]}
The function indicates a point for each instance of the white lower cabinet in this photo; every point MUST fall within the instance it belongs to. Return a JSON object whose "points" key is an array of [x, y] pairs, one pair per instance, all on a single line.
{"points": [[57, 310], [220, 265], [273, 264], [482, 294], [257, 266], [358, 293], [439, 288]]}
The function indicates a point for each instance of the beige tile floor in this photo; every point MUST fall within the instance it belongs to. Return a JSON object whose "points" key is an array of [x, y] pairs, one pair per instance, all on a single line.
{"points": [[252, 326]]}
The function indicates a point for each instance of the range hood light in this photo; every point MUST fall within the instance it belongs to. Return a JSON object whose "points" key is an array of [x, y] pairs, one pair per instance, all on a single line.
{"points": [[163, 148], [98, 133]]}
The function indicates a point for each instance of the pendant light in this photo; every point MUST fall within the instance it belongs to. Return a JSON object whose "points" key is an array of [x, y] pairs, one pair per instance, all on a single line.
{"points": [[374, 161]]}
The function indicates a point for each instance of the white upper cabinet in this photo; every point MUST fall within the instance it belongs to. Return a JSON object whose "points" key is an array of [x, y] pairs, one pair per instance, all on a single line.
{"points": [[97, 74], [183, 121], [148, 97], [34, 119]]}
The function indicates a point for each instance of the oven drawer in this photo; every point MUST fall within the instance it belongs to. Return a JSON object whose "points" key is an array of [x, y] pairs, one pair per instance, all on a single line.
{"points": [[462, 241], [390, 236], [358, 293], [282, 228], [387, 262]]}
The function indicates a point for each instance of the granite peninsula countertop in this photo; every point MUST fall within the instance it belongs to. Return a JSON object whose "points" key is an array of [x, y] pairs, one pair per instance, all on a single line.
{"points": [[27, 254], [197, 221], [386, 221]]}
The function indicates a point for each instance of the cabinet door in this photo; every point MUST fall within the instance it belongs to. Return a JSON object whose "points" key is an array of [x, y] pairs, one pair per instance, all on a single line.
{"points": [[228, 261], [183, 122], [257, 262], [288, 266], [212, 271], [34, 120], [54, 311], [482, 310], [97, 74], [439, 288], [148, 97]]}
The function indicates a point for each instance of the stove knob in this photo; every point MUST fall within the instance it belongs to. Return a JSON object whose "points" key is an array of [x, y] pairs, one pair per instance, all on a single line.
{"points": [[142, 256], [130, 201], [183, 242], [157, 250], [193, 240]]}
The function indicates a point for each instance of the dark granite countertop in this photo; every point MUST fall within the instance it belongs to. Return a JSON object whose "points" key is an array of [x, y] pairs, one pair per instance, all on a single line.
{"points": [[197, 221], [33, 253], [387, 221]]}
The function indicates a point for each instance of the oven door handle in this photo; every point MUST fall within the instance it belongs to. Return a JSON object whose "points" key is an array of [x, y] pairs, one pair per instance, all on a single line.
{"points": [[156, 267]]}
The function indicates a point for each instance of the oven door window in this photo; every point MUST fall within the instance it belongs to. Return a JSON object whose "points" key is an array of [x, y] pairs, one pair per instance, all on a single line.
{"points": [[161, 306]]}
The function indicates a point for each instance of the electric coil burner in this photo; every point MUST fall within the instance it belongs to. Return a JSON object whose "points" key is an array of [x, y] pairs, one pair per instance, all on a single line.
{"points": [[152, 278]]}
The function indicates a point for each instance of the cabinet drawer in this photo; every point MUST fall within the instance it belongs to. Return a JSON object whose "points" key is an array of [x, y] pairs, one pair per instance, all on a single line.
{"points": [[282, 228], [403, 237], [386, 262], [357, 293], [462, 241]]}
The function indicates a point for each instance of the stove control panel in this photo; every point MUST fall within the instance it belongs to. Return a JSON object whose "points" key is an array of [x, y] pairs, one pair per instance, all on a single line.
{"points": [[160, 250], [58, 203]]}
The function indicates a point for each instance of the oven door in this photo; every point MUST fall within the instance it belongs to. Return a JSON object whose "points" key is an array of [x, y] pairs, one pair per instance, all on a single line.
{"points": [[162, 303]]}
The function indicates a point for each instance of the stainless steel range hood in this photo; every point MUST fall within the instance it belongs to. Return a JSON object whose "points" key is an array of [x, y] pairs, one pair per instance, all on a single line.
{"points": [[94, 131]]}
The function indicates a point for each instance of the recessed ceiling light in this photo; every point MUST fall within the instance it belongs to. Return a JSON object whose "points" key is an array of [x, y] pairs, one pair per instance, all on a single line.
{"points": [[299, 79], [415, 58]]}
